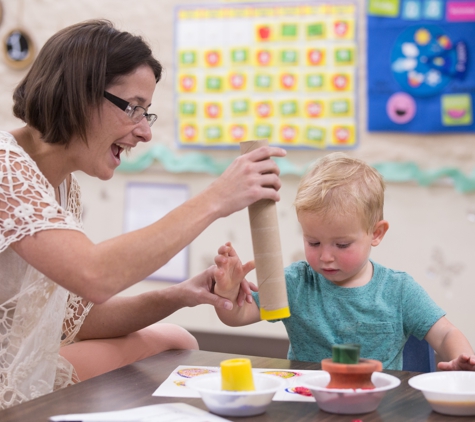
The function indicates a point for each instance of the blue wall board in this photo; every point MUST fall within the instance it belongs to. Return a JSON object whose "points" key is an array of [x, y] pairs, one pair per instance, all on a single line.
{"points": [[421, 73]]}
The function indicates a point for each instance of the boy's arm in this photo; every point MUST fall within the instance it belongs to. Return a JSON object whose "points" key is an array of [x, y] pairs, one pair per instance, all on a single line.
{"points": [[228, 275], [452, 346]]}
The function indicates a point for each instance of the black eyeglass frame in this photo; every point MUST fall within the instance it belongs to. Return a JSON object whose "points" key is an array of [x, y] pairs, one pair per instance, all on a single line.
{"points": [[130, 109]]}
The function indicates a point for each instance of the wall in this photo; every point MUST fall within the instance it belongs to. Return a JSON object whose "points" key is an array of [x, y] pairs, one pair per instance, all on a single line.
{"points": [[432, 230]]}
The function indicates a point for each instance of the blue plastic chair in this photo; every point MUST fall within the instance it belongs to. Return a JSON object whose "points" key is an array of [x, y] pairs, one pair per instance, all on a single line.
{"points": [[418, 356]]}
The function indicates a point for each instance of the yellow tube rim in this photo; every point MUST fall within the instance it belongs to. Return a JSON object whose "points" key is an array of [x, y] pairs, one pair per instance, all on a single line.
{"points": [[275, 313]]}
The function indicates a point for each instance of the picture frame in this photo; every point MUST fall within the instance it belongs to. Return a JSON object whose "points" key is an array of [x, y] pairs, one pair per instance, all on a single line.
{"points": [[146, 203], [18, 48]]}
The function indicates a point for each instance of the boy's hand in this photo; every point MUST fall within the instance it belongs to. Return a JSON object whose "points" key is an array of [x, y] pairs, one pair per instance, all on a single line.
{"points": [[230, 273], [452, 346], [464, 362], [245, 292], [230, 283]]}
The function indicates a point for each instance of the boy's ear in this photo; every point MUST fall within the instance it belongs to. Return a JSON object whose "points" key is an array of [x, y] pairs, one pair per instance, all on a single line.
{"points": [[380, 229]]}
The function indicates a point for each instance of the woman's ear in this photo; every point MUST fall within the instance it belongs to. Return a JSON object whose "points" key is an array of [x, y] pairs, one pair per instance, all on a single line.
{"points": [[380, 229]]}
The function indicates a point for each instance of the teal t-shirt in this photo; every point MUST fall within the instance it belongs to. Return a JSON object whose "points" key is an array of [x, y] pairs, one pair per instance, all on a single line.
{"points": [[380, 316]]}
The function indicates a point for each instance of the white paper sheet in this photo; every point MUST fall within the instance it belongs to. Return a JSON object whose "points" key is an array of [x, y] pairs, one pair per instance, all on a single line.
{"points": [[147, 203], [175, 384], [168, 412]]}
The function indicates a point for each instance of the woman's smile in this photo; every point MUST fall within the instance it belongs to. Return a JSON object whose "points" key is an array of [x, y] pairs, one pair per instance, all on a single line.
{"points": [[117, 149]]}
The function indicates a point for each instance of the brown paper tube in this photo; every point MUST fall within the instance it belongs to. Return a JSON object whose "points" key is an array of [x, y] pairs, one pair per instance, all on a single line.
{"points": [[267, 252]]}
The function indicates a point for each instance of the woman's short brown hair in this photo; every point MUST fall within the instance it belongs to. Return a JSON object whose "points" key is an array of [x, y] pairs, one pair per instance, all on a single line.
{"points": [[71, 73]]}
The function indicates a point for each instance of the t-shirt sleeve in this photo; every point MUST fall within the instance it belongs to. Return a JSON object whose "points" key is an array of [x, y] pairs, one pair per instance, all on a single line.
{"points": [[255, 296], [27, 201], [420, 311]]}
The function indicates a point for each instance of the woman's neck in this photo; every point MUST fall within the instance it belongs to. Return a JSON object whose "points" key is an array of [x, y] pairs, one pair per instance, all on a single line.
{"points": [[51, 159]]}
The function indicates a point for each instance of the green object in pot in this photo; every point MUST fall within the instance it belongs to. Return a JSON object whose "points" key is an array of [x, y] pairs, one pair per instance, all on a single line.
{"points": [[346, 353]]}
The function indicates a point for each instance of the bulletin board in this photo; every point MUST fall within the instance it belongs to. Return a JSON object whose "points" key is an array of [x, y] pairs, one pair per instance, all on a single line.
{"points": [[285, 72], [421, 76]]}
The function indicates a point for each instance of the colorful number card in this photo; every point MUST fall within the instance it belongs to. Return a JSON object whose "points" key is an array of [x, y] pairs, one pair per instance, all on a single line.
{"points": [[275, 71], [421, 76]]}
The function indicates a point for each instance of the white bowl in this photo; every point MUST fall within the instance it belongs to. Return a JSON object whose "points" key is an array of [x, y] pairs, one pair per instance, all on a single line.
{"points": [[348, 401], [236, 403], [450, 393]]}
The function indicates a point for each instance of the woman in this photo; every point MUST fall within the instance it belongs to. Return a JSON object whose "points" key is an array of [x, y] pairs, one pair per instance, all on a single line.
{"points": [[84, 101]]}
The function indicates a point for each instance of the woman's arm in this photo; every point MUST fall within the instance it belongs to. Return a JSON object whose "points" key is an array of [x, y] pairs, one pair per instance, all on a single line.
{"points": [[121, 315], [97, 272]]}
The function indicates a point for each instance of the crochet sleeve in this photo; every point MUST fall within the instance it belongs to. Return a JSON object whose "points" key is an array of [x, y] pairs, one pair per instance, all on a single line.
{"points": [[27, 200]]}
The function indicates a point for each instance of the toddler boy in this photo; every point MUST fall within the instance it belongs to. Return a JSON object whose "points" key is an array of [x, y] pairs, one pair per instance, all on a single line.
{"points": [[338, 295]]}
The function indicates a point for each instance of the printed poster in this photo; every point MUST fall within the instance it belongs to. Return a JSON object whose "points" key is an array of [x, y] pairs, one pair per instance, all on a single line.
{"points": [[285, 72], [421, 73]]}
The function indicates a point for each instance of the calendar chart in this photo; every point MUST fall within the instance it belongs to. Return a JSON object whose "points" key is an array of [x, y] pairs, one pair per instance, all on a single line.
{"points": [[275, 71]]}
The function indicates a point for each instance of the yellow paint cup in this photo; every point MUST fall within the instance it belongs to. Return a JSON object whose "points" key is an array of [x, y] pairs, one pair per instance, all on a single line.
{"points": [[236, 375]]}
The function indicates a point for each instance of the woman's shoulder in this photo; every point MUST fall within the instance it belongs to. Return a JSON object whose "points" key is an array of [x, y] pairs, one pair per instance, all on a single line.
{"points": [[7, 139], [17, 163], [8, 143], [14, 157]]}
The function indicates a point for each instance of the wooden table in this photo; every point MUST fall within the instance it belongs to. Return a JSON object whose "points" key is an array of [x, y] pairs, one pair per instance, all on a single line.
{"points": [[133, 386]]}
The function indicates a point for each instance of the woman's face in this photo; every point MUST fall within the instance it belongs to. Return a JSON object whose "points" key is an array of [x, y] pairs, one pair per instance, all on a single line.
{"points": [[111, 130]]}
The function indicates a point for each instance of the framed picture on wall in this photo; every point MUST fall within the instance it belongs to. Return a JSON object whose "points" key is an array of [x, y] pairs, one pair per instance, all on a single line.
{"points": [[146, 203], [18, 48]]}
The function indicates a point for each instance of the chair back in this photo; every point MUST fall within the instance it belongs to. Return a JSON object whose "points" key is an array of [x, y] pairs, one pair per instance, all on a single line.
{"points": [[418, 356]]}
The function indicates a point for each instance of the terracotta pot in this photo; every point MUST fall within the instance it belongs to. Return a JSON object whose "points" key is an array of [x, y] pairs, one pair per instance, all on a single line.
{"points": [[356, 375]]}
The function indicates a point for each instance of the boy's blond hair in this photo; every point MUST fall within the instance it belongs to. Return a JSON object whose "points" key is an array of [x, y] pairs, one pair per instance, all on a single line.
{"points": [[339, 184]]}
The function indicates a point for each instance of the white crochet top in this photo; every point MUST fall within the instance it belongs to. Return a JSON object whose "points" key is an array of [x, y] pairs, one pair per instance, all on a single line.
{"points": [[37, 316]]}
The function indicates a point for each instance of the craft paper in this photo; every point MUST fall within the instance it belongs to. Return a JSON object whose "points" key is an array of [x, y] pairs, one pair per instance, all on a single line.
{"points": [[155, 413], [264, 63], [421, 76], [175, 384]]}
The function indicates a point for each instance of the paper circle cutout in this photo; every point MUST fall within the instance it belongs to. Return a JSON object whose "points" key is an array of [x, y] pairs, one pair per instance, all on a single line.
{"points": [[401, 108], [424, 60]]}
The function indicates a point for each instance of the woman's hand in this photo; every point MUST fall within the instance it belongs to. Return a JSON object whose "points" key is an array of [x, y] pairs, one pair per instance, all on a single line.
{"points": [[249, 178], [199, 290]]}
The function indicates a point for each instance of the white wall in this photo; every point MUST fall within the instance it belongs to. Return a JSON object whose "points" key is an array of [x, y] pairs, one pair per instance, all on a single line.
{"points": [[430, 236]]}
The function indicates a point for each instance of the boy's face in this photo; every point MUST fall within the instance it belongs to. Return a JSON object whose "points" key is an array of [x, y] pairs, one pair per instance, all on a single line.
{"points": [[338, 247]]}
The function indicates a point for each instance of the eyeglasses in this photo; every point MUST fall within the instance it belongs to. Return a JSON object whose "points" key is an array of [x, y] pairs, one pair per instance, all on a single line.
{"points": [[136, 113]]}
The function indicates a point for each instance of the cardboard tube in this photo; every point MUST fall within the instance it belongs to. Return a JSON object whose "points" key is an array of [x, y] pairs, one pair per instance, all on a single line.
{"points": [[267, 252]]}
